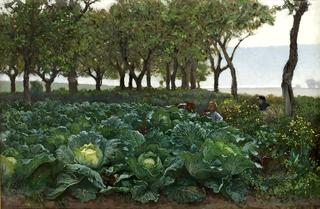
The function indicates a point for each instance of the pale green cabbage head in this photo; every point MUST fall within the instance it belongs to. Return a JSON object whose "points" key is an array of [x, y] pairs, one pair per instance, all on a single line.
{"points": [[149, 163], [89, 155]]}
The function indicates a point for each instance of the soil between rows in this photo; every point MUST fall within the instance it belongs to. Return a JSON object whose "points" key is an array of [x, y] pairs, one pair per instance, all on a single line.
{"points": [[124, 202]]}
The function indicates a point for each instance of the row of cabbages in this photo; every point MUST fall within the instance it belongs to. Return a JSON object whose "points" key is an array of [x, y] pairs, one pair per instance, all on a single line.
{"points": [[90, 149]]}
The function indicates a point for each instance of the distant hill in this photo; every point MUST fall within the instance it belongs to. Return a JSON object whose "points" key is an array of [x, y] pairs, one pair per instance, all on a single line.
{"points": [[257, 67]]}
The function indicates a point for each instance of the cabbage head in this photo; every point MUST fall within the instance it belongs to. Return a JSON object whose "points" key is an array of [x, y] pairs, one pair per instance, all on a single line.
{"points": [[7, 165], [148, 166], [161, 119], [149, 160], [89, 155], [87, 149]]}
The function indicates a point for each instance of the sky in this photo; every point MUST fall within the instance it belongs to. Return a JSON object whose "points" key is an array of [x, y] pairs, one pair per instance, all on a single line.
{"points": [[278, 34]]}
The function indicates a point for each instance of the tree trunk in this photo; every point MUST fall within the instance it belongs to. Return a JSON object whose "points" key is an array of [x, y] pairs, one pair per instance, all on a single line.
{"points": [[122, 74], [216, 80], [26, 72], [193, 74], [145, 69], [234, 84], [216, 69], [26, 90], [98, 78], [168, 75], [139, 84], [72, 82], [174, 73], [286, 85], [47, 81], [98, 83], [48, 86], [130, 84], [184, 77], [288, 97], [149, 78], [13, 83], [122, 81]]}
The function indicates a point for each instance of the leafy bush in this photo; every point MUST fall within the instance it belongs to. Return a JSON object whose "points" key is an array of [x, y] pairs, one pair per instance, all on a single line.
{"points": [[307, 185], [240, 113], [36, 87]]}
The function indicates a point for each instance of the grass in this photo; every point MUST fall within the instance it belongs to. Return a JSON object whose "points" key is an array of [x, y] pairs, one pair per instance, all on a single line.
{"points": [[5, 86]]}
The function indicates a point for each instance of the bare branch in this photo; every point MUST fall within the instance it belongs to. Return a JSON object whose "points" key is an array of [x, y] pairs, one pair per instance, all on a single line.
{"points": [[239, 42], [90, 73]]}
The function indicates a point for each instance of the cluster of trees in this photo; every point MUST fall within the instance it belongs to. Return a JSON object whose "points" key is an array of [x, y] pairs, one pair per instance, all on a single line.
{"points": [[135, 38], [312, 83]]}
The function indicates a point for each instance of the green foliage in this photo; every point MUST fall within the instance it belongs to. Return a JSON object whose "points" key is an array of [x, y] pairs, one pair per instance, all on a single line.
{"points": [[36, 87], [144, 157], [308, 107], [299, 139], [220, 166], [53, 161], [8, 165], [161, 118], [239, 113], [186, 194], [306, 185]]}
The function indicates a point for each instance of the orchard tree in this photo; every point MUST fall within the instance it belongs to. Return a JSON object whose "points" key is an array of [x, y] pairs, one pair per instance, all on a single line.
{"points": [[52, 59], [30, 23], [215, 58], [70, 28], [10, 61], [94, 57], [116, 37], [224, 21], [182, 42], [139, 32], [297, 8]]}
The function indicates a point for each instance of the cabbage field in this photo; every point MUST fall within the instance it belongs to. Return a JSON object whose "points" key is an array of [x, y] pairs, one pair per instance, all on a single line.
{"points": [[85, 150]]}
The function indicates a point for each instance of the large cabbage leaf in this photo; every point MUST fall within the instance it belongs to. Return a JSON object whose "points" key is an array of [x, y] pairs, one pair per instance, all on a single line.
{"points": [[188, 135], [141, 192], [82, 170], [185, 194], [64, 181], [7, 166], [219, 166], [161, 119], [84, 191], [111, 127], [27, 166]]}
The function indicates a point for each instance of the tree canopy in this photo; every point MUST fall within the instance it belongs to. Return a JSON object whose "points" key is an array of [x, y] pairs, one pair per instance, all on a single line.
{"points": [[135, 38]]}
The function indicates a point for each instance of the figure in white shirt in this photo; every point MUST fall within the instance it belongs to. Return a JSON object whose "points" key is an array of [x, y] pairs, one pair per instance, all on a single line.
{"points": [[212, 111]]}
